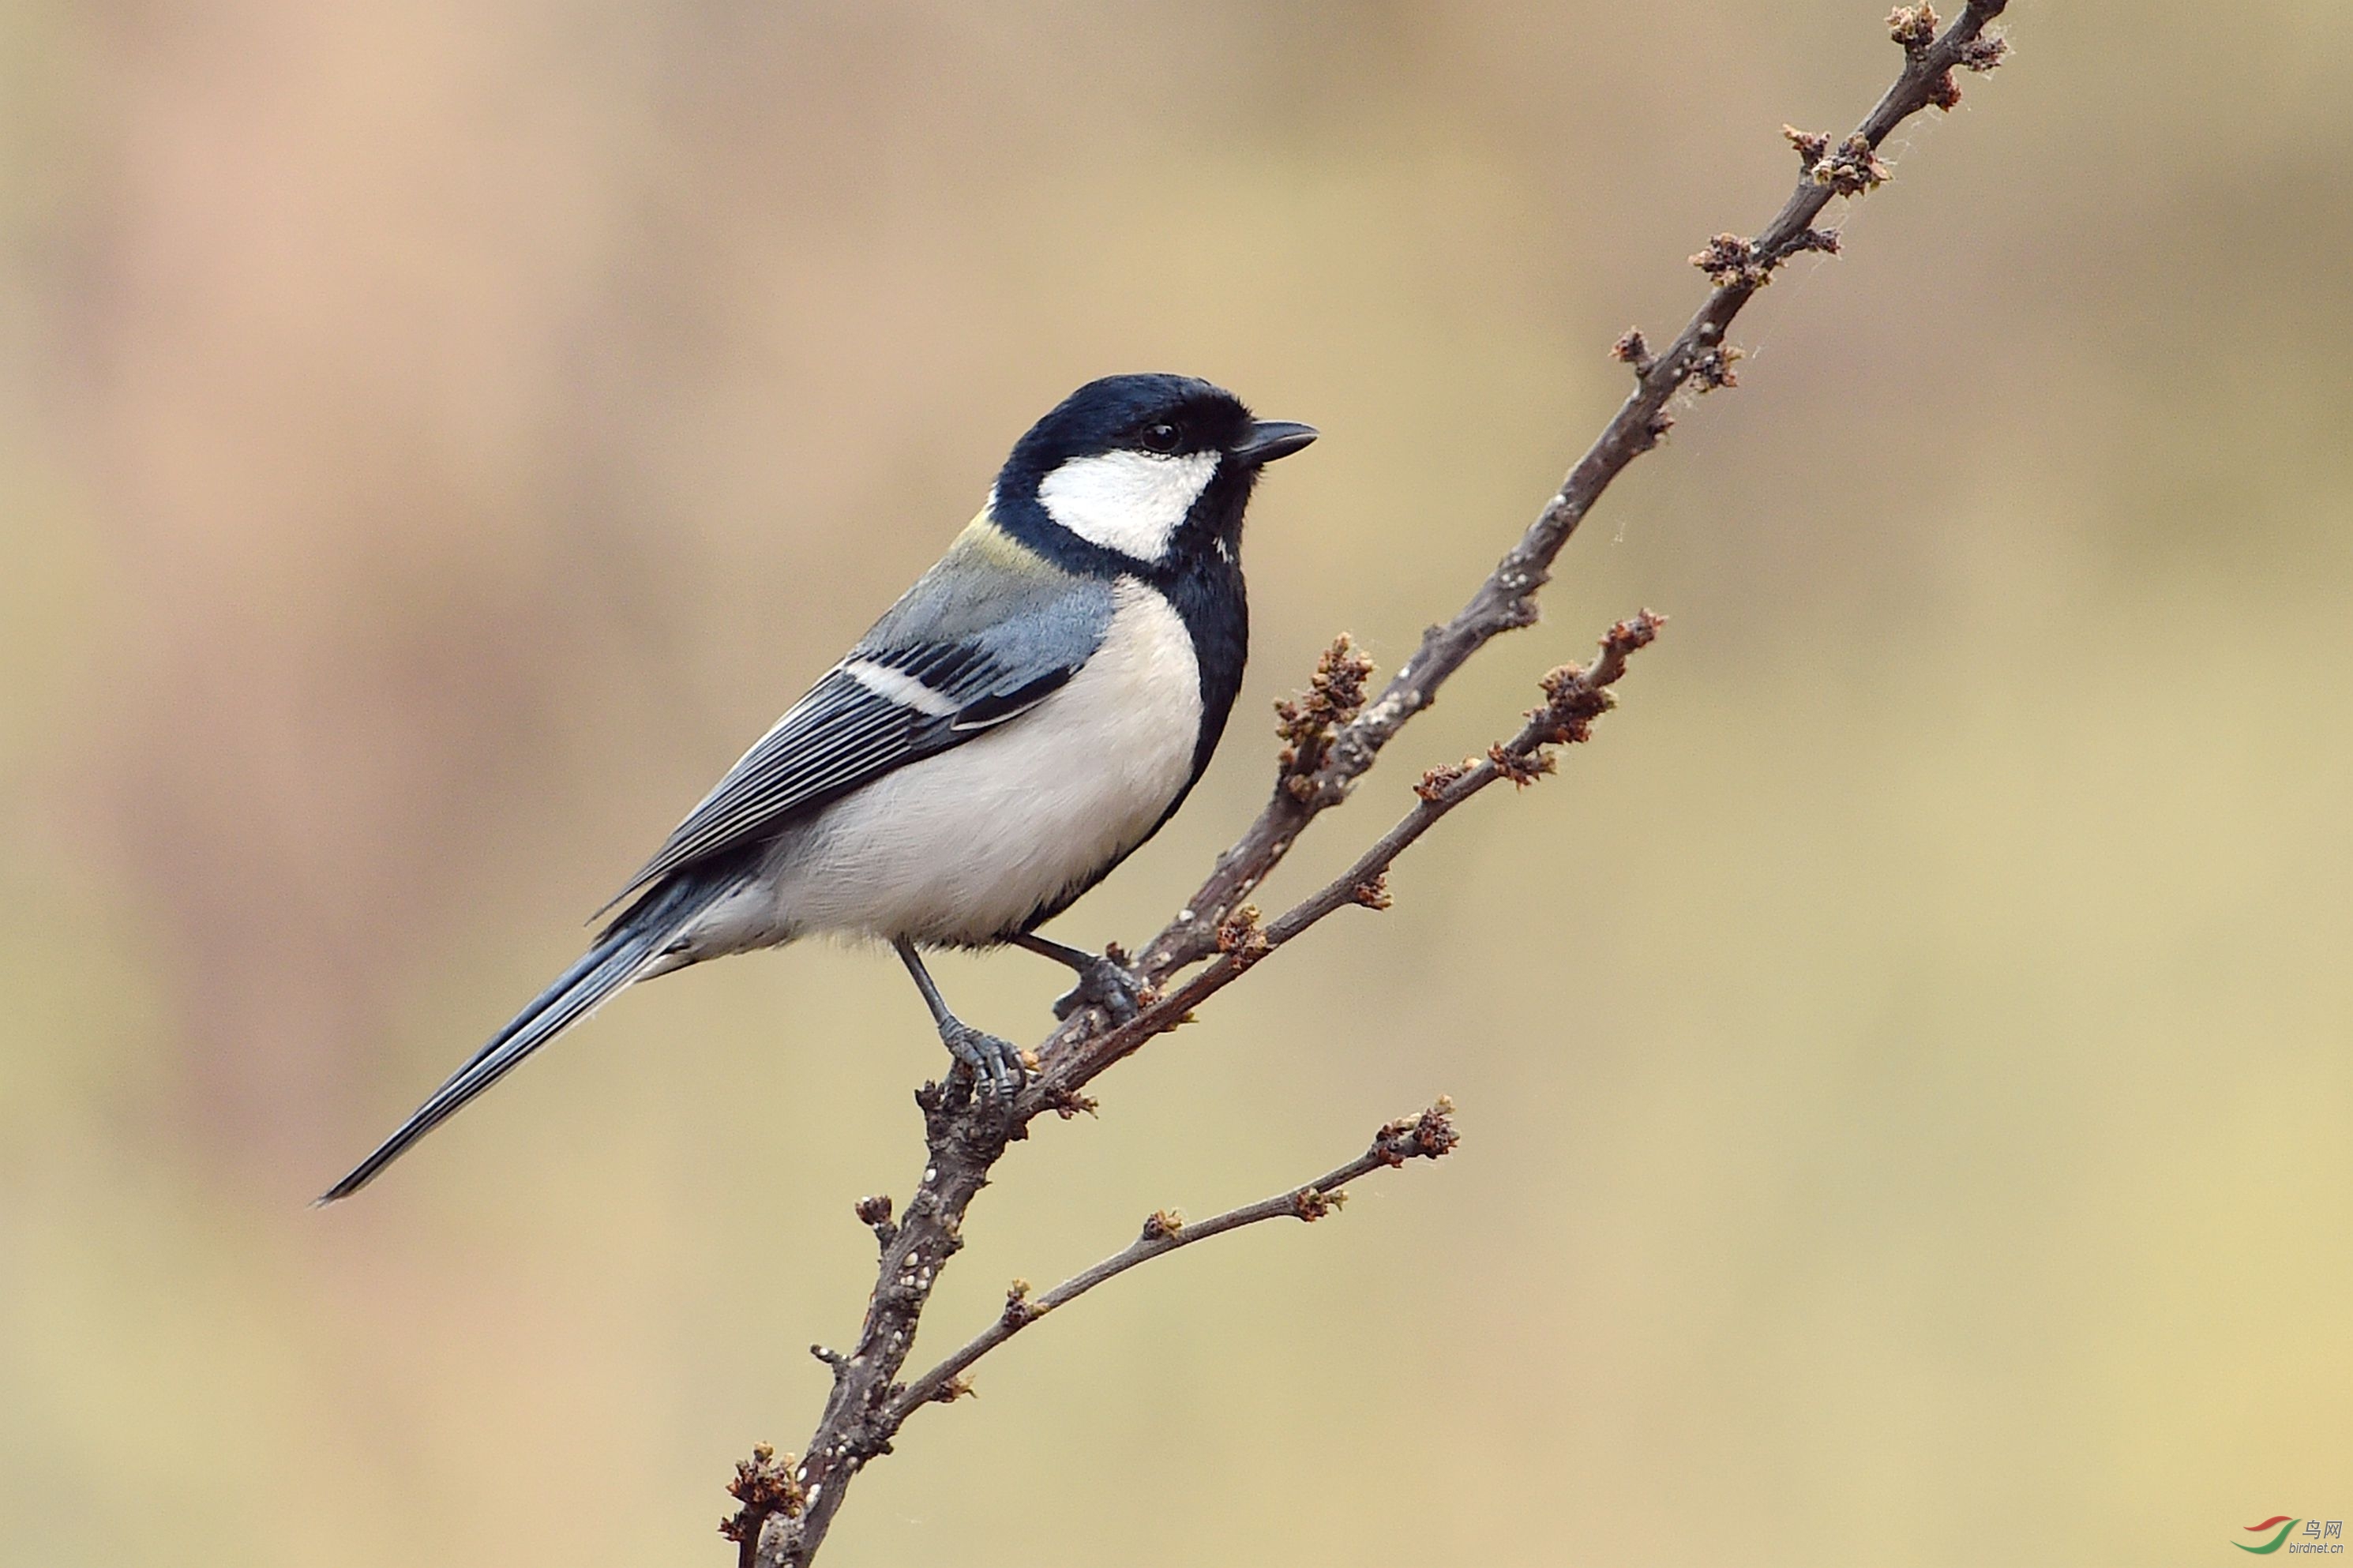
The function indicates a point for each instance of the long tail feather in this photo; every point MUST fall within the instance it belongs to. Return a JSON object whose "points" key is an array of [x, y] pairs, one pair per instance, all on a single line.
{"points": [[619, 956]]}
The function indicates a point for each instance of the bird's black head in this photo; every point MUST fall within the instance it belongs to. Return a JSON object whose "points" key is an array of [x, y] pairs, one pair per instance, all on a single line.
{"points": [[1139, 473]]}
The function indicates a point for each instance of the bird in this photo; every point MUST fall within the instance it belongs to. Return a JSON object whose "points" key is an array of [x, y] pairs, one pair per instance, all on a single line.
{"points": [[1020, 721]]}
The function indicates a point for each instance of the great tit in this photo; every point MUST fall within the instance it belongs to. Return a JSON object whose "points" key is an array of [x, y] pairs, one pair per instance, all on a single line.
{"points": [[1024, 718]]}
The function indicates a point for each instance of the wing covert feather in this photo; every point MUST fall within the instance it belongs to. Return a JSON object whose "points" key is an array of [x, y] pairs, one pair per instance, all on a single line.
{"points": [[989, 632]]}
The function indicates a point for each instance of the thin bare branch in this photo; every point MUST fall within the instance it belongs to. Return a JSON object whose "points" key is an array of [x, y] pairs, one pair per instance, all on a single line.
{"points": [[1430, 1135], [1506, 600], [1574, 698]]}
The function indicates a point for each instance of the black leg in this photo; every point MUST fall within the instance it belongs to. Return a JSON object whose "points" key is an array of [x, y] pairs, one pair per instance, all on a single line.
{"points": [[996, 1065], [1103, 981]]}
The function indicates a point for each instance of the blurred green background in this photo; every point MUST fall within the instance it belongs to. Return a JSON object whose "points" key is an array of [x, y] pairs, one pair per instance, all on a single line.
{"points": [[434, 438]]}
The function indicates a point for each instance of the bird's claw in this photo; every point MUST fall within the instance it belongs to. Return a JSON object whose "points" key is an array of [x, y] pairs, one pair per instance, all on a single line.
{"points": [[997, 1066], [1110, 986]]}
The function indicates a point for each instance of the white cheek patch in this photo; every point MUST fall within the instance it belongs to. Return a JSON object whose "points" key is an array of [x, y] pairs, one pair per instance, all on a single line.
{"points": [[1129, 501]]}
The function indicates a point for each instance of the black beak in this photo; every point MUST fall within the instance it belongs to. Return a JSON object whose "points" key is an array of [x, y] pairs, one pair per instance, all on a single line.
{"points": [[1271, 438]]}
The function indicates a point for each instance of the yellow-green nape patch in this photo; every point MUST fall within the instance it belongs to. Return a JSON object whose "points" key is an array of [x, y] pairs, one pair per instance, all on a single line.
{"points": [[982, 538]]}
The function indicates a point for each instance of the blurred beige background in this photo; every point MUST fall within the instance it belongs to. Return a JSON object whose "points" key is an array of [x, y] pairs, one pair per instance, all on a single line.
{"points": [[434, 438]]}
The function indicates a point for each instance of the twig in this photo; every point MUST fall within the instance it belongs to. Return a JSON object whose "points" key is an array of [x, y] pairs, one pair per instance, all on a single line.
{"points": [[1332, 737], [1506, 600], [1574, 698], [1427, 1136]]}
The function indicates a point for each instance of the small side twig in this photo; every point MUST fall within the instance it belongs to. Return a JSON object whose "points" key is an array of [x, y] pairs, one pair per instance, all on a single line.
{"points": [[1427, 1136], [767, 1486], [1575, 697]]}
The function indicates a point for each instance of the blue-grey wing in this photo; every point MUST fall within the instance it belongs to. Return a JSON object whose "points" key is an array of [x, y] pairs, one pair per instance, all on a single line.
{"points": [[982, 637]]}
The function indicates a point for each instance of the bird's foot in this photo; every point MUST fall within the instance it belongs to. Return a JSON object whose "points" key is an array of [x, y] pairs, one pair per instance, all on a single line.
{"points": [[1107, 983], [997, 1066]]}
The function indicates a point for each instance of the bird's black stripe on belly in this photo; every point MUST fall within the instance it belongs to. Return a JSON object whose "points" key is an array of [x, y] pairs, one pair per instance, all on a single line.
{"points": [[1209, 599]]}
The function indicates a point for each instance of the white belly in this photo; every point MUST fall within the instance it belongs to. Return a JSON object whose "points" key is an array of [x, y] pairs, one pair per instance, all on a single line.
{"points": [[965, 845]]}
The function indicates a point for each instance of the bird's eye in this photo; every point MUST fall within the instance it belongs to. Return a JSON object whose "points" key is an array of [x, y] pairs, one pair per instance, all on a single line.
{"points": [[1161, 438]]}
